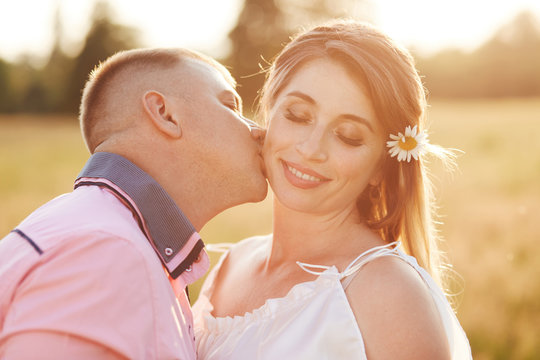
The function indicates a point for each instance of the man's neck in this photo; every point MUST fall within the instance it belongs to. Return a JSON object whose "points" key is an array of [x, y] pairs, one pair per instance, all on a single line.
{"points": [[195, 204]]}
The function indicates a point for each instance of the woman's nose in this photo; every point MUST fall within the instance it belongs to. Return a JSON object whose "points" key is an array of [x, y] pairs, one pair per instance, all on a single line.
{"points": [[312, 147]]}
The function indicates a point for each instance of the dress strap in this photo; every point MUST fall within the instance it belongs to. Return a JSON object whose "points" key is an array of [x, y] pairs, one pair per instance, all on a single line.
{"points": [[365, 257], [356, 264], [305, 267], [219, 247]]}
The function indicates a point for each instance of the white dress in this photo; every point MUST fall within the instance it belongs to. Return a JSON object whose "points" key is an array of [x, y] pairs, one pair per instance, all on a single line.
{"points": [[313, 321]]}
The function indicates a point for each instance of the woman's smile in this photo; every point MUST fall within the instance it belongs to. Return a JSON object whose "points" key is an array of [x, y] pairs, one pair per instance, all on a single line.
{"points": [[302, 177]]}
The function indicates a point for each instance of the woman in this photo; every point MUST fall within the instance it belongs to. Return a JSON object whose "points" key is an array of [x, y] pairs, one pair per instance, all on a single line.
{"points": [[351, 270]]}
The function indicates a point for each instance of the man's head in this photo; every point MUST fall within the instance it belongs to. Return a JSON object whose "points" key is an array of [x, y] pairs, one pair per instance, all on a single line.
{"points": [[112, 86], [175, 113]]}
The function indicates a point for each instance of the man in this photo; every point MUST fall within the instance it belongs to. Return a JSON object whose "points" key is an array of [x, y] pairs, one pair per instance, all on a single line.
{"points": [[89, 274]]}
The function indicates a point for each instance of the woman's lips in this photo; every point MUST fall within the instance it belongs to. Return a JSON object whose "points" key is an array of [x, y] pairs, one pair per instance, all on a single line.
{"points": [[302, 177]]}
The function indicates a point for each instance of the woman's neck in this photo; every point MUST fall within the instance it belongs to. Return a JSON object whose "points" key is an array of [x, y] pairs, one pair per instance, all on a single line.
{"points": [[315, 238]]}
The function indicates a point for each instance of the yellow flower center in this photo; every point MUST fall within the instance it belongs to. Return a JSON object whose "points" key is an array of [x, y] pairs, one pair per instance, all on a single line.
{"points": [[407, 143]]}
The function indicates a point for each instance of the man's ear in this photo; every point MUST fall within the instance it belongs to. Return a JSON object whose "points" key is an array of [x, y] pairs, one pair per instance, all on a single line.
{"points": [[157, 109]]}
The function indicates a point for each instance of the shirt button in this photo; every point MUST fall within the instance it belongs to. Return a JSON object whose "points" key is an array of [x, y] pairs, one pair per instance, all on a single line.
{"points": [[168, 251], [198, 259]]}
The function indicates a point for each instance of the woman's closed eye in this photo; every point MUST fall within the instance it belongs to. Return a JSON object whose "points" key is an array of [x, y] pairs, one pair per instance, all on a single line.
{"points": [[349, 140], [298, 118], [349, 136]]}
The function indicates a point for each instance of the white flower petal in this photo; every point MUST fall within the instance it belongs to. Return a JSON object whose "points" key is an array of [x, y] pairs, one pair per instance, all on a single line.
{"points": [[408, 131], [396, 140]]}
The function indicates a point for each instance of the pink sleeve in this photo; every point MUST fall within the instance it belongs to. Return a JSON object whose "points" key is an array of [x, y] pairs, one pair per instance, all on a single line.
{"points": [[49, 345], [85, 296]]}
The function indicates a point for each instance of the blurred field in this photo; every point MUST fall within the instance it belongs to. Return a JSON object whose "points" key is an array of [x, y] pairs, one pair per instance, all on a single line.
{"points": [[490, 207]]}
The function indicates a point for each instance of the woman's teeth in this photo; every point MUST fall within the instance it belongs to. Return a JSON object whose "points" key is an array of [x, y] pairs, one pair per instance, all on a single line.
{"points": [[301, 175]]}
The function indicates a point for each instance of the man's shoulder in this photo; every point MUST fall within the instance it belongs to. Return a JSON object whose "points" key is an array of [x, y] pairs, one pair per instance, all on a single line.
{"points": [[86, 212], [80, 288]]}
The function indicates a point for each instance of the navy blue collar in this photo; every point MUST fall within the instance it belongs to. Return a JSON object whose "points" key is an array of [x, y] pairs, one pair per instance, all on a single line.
{"points": [[169, 228]]}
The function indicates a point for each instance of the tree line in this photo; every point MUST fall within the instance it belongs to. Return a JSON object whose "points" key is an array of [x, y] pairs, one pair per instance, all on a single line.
{"points": [[57, 86], [507, 65]]}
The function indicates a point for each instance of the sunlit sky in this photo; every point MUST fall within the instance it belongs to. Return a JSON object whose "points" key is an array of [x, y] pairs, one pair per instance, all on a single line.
{"points": [[26, 26]]}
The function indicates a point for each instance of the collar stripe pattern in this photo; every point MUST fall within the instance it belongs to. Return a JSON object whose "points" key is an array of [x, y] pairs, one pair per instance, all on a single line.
{"points": [[169, 228]]}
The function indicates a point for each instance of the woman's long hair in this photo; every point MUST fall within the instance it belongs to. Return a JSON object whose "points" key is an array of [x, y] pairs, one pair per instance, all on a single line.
{"points": [[401, 207]]}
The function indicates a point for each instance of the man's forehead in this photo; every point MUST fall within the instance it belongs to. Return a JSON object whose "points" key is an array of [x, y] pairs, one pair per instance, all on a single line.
{"points": [[203, 72]]}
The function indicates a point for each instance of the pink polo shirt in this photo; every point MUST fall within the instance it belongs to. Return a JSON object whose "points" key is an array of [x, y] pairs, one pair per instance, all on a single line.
{"points": [[84, 277]]}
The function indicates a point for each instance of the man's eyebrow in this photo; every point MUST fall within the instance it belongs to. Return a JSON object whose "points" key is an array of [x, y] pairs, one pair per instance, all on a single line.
{"points": [[352, 117], [233, 95], [238, 100]]}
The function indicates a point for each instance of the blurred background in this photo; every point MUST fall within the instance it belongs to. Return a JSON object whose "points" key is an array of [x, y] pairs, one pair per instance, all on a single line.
{"points": [[480, 61]]}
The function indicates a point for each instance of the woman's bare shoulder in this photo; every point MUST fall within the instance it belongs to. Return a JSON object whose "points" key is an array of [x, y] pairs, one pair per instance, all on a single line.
{"points": [[236, 268], [242, 255], [249, 247], [396, 312]]}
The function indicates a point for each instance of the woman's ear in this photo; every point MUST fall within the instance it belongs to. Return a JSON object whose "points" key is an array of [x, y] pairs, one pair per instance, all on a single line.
{"points": [[156, 107], [377, 177], [376, 180]]}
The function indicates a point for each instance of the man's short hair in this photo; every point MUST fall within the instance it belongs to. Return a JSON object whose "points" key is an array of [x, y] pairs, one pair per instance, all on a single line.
{"points": [[94, 107]]}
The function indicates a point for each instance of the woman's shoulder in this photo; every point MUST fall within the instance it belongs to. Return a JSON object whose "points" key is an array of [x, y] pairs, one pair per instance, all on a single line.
{"points": [[236, 258], [249, 247], [241, 256], [388, 296]]}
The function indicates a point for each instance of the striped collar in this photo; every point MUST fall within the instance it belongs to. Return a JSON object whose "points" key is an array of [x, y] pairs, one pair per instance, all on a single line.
{"points": [[171, 234]]}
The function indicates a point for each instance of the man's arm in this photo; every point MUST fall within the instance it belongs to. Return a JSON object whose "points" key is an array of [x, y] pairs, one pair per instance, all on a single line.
{"points": [[47, 345], [88, 298]]}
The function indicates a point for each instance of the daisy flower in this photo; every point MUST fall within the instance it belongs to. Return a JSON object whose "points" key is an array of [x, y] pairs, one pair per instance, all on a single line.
{"points": [[412, 144]]}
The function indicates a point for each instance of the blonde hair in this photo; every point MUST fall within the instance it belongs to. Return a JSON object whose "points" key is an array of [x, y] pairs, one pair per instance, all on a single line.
{"points": [[405, 208], [95, 108]]}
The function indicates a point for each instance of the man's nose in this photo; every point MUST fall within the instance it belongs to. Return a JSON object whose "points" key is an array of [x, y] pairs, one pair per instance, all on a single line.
{"points": [[257, 132]]}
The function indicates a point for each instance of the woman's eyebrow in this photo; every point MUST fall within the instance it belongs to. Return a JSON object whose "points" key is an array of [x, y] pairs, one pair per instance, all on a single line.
{"points": [[303, 96], [358, 119]]}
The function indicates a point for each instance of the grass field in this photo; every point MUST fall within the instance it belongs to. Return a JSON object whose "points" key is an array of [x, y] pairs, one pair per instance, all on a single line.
{"points": [[490, 207]]}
